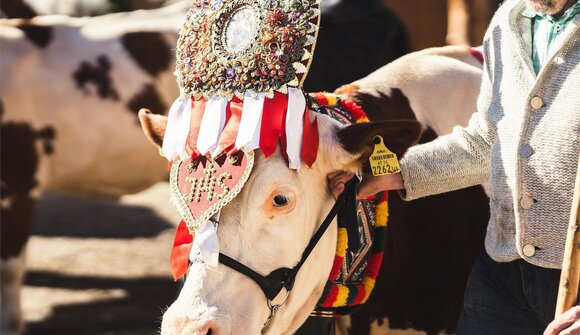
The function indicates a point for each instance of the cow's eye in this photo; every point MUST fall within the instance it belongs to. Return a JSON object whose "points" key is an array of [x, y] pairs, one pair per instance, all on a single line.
{"points": [[280, 200]]}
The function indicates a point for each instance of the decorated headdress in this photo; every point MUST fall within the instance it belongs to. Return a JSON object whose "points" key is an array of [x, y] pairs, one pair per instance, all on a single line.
{"points": [[240, 67]]}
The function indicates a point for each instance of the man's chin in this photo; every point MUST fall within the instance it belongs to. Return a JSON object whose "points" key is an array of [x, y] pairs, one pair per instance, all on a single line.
{"points": [[546, 7]]}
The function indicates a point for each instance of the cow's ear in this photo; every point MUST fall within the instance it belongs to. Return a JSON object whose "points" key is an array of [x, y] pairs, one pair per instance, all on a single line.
{"points": [[153, 125], [398, 136]]}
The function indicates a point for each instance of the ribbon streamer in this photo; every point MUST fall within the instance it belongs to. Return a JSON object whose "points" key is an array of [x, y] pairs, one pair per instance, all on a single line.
{"points": [[181, 249], [214, 119], [310, 139], [228, 137], [249, 133], [179, 118], [294, 115], [272, 119]]}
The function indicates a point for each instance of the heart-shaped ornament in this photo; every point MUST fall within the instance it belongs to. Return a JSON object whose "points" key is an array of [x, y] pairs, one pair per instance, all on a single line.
{"points": [[202, 186]]}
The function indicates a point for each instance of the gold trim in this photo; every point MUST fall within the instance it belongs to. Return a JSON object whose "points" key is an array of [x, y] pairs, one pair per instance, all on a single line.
{"points": [[178, 199]]}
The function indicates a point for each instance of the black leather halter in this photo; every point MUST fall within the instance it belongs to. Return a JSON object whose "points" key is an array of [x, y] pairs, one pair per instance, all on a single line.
{"points": [[281, 278]]}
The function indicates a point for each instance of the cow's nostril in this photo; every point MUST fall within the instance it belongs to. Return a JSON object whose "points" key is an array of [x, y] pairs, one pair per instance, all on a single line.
{"points": [[212, 329]]}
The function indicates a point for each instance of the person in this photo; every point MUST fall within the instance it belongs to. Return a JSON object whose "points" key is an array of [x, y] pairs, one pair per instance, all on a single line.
{"points": [[525, 140]]}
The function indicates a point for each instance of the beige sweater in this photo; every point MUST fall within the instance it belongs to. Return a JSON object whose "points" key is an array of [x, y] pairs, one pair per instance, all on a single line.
{"points": [[524, 140]]}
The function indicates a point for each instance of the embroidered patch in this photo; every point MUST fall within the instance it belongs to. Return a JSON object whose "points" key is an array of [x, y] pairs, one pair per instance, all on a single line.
{"points": [[200, 187]]}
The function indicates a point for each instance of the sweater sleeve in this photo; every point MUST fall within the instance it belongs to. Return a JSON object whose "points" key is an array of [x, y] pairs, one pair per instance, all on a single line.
{"points": [[454, 161]]}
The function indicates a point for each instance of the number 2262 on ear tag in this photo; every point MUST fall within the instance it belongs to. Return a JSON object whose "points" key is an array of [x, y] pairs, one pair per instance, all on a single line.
{"points": [[383, 161]]}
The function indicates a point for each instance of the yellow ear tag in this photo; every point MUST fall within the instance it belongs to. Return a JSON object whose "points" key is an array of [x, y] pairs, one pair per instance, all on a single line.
{"points": [[383, 161]]}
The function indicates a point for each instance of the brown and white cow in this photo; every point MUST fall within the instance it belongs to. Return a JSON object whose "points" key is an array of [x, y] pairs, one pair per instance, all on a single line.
{"points": [[431, 242], [23, 8], [266, 236], [63, 81]]}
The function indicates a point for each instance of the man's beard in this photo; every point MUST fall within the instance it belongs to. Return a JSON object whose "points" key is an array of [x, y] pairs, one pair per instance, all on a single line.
{"points": [[549, 7]]}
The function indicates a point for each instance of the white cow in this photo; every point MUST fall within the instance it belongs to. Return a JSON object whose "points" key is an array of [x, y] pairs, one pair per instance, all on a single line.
{"points": [[266, 235], [63, 81]]}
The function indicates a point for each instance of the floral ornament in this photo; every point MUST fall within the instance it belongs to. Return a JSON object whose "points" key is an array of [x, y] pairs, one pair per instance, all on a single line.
{"points": [[260, 46]]}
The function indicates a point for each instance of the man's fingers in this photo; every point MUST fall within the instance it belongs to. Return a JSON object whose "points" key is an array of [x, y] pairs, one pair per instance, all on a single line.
{"points": [[337, 180], [337, 190], [574, 329], [564, 322]]}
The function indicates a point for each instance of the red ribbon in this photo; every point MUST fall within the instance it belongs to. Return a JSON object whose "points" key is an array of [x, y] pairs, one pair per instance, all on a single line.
{"points": [[182, 244], [272, 119], [197, 111], [230, 132], [309, 139]]}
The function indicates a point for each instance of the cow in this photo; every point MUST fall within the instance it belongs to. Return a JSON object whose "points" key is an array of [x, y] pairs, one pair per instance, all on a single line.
{"points": [[100, 68], [265, 238], [62, 79]]}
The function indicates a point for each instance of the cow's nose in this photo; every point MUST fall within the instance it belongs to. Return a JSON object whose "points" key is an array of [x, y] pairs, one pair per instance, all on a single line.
{"points": [[185, 326], [211, 329]]}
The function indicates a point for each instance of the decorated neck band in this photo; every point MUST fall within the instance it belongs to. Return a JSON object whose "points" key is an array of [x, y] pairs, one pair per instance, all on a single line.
{"points": [[362, 229], [240, 67]]}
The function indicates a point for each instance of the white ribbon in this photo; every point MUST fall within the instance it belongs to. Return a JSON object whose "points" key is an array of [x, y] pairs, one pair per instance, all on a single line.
{"points": [[178, 123], [294, 126], [249, 133], [206, 244], [212, 124]]}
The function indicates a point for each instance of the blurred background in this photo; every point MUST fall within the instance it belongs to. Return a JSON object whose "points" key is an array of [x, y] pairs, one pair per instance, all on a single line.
{"points": [[79, 176]]}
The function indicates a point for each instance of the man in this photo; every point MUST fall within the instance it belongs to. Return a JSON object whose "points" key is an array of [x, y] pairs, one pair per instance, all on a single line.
{"points": [[524, 140]]}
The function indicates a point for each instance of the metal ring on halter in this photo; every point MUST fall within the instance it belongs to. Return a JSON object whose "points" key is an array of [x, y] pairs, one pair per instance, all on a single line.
{"points": [[273, 311]]}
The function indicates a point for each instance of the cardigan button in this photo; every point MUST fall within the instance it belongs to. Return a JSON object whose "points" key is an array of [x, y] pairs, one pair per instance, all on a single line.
{"points": [[526, 150], [526, 202], [536, 102], [529, 250]]}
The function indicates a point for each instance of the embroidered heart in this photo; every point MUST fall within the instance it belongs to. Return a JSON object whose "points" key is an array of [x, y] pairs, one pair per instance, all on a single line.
{"points": [[202, 186]]}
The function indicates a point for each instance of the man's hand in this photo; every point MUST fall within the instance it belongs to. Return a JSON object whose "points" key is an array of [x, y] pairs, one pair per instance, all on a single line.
{"points": [[370, 185], [566, 324]]}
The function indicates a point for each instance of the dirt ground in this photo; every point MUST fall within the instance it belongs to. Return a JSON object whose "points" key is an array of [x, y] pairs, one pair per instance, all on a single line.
{"points": [[99, 267]]}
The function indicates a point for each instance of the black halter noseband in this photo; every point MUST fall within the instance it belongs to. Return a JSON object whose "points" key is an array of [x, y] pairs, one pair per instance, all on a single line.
{"points": [[281, 278]]}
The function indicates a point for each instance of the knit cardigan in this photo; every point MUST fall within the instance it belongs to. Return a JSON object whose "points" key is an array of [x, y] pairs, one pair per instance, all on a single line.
{"points": [[524, 140]]}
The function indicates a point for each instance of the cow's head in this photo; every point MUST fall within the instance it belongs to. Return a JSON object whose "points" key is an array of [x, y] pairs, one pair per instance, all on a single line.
{"points": [[268, 226]]}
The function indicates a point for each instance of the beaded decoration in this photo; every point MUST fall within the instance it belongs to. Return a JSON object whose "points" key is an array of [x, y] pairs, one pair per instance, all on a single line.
{"points": [[228, 48]]}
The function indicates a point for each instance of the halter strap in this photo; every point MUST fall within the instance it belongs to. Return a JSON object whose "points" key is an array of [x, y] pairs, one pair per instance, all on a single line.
{"points": [[280, 278]]}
